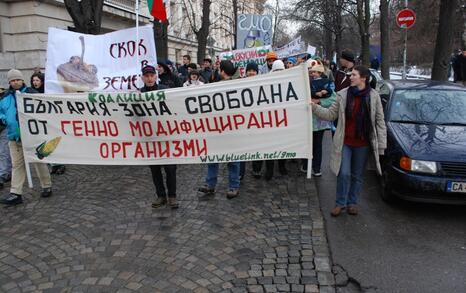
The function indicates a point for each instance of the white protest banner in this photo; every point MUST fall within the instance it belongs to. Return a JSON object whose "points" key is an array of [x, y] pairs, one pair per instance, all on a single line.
{"points": [[311, 50], [294, 47], [257, 118], [81, 63], [242, 57]]}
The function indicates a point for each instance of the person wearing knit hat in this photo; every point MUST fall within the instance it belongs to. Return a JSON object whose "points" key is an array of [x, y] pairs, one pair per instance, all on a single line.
{"points": [[14, 74], [290, 62], [278, 65], [269, 60], [271, 56], [9, 118], [318, 68], [252, 69]]}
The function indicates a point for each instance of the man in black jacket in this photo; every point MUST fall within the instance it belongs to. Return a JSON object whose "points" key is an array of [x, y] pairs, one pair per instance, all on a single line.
{"points": [[149, 78], [167, 77], [183, 69], [459, 67]]}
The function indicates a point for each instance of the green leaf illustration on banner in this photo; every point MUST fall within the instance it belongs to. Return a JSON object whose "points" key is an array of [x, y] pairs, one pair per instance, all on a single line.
{"points": [[47, 147]]}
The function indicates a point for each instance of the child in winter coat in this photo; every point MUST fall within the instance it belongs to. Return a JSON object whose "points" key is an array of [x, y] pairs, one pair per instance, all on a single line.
{"points": [[193, 79], [321, 86]]}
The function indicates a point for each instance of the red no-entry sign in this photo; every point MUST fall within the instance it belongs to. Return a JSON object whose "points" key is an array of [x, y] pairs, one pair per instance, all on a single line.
{"points": [[406, 18]]}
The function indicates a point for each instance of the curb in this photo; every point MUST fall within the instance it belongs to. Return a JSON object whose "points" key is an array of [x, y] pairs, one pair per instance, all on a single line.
{"points": [[322, 257]]}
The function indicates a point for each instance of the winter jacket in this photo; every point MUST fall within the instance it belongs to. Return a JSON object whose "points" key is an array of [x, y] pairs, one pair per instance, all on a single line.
{"points": [[320, 84], [156, 87], [378, 136], [183, 71], [191, 83], [9, 112], [206, 74], [319, 124], [168, 78]]}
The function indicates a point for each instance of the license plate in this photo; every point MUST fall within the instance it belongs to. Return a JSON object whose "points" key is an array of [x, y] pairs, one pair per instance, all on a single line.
{"points": [[456, 186]]}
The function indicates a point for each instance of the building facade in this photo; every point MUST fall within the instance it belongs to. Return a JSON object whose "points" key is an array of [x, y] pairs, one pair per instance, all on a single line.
{"points": [[24, 26]]}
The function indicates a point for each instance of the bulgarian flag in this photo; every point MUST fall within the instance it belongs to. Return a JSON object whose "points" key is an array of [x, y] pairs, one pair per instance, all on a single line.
{"points": [[157, 9]]}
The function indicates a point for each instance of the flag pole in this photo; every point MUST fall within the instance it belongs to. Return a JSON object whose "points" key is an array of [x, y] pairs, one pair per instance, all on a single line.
{"points": [[137, 33]]}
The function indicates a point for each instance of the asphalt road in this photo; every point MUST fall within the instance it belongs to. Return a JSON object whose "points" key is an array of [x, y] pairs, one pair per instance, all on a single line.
{"points": [[405, 247]]}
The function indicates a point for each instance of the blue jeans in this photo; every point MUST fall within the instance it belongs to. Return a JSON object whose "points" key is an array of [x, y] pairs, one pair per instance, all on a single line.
{"points": [[350, 177], [5, 158], [233, 175]]}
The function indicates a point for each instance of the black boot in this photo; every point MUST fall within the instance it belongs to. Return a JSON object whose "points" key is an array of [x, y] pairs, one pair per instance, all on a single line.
{"points": [[12, 199], [46, 192]]}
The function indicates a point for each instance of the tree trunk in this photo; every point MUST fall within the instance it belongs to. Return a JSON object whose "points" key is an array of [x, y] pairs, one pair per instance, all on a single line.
{"points": [[203, 32], [385, 38], [363, 18], [338, 27], [86, 15], [444, 40], [366, 56], [235, 24], [328, 45], [276, 24], [161, 40]]}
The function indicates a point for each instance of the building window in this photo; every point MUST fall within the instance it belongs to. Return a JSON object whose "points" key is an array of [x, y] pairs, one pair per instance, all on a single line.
{"points": [[177, 55]]}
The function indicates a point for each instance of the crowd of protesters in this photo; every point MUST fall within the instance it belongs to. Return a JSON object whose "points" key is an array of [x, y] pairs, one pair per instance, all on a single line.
{"points": [[337, 93]]}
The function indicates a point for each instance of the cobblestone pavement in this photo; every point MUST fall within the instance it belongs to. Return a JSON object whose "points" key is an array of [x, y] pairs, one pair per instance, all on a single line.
{"points": [[98, 233]]}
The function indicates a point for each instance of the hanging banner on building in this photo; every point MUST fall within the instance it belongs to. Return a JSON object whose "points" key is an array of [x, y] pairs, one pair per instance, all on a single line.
{"points": [[258, 118], [110, 62], [241, 58], [295, 47], [253, 31]]}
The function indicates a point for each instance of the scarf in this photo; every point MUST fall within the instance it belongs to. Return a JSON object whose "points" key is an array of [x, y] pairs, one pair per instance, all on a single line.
{"points": [[362, 117]]}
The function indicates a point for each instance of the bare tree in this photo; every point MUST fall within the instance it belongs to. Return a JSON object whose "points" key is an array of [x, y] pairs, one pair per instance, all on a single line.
{"points": [[444, 39], [364, 19], [385, 38], [325, 14], [200, 30], [86, 15]]}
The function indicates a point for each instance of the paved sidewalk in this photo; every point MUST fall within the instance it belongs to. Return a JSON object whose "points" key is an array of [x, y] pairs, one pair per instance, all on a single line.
{"points": [[98, 233]]}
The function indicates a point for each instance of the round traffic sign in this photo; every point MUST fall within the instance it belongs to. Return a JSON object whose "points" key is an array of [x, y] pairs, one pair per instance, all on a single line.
{"points": [[406, 18]]}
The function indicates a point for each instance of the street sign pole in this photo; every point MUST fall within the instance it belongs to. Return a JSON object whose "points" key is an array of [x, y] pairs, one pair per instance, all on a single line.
{"points": [[405, 51], [405, 19]]}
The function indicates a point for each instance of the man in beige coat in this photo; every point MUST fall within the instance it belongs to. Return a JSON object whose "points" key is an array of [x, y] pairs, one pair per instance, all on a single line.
{"points": [[361, 131]]}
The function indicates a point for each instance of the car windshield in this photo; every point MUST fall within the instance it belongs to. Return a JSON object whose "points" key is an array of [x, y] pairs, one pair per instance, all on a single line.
{"points": [[432, 106]]}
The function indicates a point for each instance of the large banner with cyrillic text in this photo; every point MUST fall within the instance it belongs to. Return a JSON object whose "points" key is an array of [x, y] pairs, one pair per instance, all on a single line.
{"points": [[241, 58], [258, 118]]}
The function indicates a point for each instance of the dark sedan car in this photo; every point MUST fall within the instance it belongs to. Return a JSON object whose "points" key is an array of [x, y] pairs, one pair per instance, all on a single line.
{"points": [[425, 158]]}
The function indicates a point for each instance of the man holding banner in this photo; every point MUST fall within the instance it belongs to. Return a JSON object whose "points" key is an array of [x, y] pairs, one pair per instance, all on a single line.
{"points": [[227, 70], [149, 78]]}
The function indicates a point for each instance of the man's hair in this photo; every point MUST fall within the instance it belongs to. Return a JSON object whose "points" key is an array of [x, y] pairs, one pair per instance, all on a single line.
{"points": [[187, 57], [227, 67]]}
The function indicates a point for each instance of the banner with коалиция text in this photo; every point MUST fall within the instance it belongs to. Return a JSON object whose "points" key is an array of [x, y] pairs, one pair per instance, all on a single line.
{"points": [[257, 118]]}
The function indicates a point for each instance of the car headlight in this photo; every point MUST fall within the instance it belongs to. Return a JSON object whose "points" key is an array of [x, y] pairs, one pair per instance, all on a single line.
{"points": [[408, 164]]}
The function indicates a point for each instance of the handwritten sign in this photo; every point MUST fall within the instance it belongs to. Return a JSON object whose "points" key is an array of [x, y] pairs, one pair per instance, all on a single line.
{"points": [[110, 62]]}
